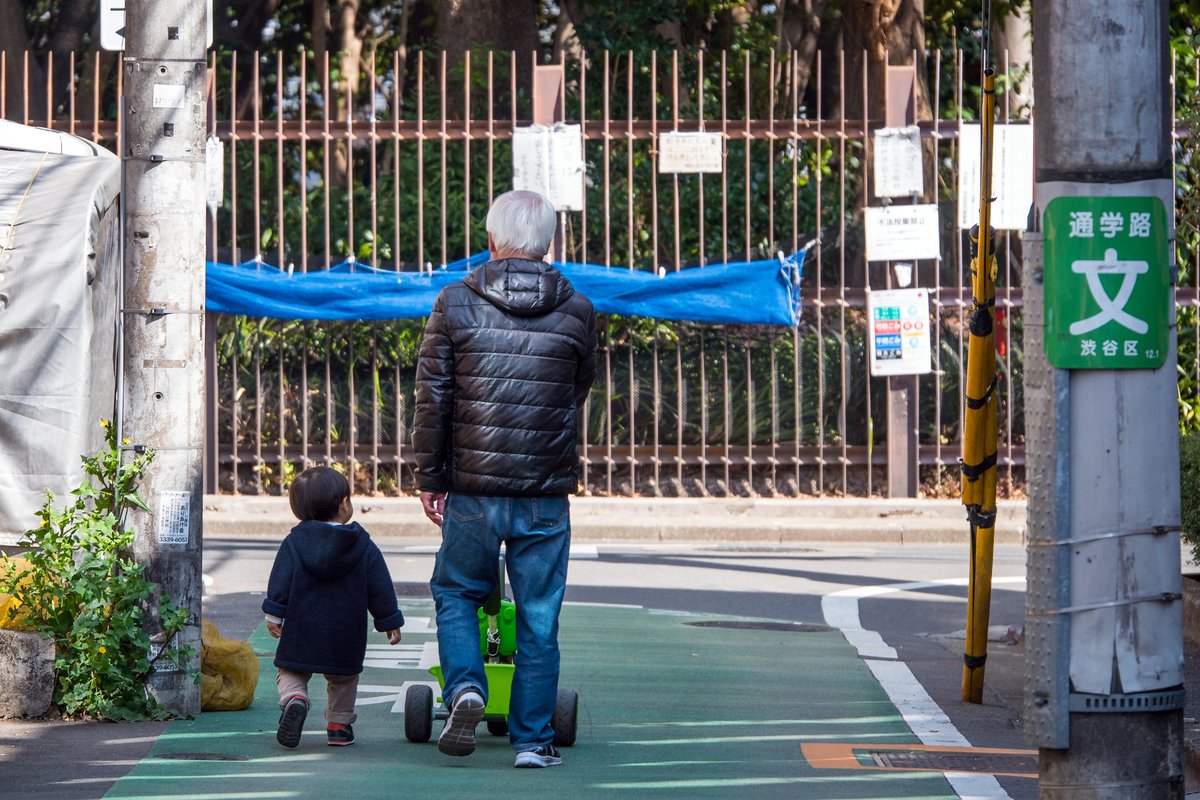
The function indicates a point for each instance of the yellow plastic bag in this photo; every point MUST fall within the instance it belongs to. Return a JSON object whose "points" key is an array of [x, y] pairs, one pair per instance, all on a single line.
{"points": [[8, 603], [228, 671]]}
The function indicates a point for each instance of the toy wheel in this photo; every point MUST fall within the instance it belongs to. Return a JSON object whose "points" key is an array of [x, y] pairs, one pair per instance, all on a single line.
{"points": [[497, 727], [418, 713], [565, 720]]}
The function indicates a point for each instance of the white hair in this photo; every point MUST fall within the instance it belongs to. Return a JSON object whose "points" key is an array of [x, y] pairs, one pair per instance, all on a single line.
{"points": [[522, 222]]}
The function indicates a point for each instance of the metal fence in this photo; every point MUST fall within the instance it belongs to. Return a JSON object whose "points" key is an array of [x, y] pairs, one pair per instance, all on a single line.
{"points": [[397, 170]]}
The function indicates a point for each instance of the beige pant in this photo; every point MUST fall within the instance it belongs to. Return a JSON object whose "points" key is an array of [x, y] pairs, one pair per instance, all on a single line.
{"points": [[342, 690]]}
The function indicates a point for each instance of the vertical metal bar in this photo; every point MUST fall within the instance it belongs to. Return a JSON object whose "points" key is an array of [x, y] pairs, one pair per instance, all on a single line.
{"points": [[703, 416], [259, 463], [326, 141], [491, 129], [466, 154], [747, 135], [675, 128], [375, 408], [842, 357], [867, 284], [583, 226], [235, 357], [820, 304], [725, 161], [305, 398], [960, 287], [656, 408], [421, 159], [629, 238], [607, 166], [397, 258], [256, 155], [772, 241], [444, 144], [750, 417], [71, 93], [700, 115], [680, 411], [609, 459], [937, 282], [653, 161], [726, 398], [351, 239], [373, 163], [50, 90], [280, 255], [633, 404]]}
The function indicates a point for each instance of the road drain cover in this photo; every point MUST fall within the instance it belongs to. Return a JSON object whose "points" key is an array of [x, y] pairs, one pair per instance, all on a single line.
{"points": [[750, 625], [203, 757], [990, 763]]}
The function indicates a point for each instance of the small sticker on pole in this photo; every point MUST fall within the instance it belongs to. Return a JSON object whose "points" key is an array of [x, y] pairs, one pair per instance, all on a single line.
{"points": [[174, 518]]}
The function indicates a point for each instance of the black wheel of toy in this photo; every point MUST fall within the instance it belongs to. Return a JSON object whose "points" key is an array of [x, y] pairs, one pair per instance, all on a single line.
{"points": [[565, 720], [418, 713], [497, 727]]}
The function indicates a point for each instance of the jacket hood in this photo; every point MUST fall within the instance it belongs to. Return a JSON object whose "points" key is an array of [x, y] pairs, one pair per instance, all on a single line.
{"points": [[329, 551], [521, 286]]}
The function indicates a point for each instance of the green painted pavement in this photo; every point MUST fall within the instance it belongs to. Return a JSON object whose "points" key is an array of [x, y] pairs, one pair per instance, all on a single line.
{"points": [[667, 710]]}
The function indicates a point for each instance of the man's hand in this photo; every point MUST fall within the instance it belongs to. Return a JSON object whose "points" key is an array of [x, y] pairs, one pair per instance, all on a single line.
{"points": [[275, 629], [394, 636], [434, 505]]}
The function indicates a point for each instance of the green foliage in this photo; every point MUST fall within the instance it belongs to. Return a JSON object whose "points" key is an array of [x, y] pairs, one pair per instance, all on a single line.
{"points": [[84, 591], [1189, 485]]}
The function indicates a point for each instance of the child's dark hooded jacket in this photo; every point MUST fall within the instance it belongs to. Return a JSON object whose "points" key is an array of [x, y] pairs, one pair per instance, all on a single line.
{"points": [[325, 581]]}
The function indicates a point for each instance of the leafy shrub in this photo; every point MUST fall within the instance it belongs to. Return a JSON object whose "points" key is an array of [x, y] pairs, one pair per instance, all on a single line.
{"points": [[81, 588], [1189, 489]]}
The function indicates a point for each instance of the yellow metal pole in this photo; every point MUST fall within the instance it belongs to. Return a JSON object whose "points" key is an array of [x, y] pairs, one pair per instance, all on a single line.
{"points": [[979, 434]]}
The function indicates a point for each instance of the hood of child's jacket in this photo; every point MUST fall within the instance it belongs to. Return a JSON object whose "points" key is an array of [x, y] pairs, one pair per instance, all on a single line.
{"points": [[521, 286], [328, 552]]}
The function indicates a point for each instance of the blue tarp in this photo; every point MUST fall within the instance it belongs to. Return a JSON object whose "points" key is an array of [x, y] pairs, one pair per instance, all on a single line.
{"points": [[754, 292]]}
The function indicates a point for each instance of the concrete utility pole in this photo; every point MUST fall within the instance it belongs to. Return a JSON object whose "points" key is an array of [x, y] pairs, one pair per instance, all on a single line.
{"points": [[163, 308], [1104, 676]]}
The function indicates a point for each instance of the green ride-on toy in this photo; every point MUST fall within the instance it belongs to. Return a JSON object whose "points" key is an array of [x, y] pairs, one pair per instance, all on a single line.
{"points": [[498, 643]]}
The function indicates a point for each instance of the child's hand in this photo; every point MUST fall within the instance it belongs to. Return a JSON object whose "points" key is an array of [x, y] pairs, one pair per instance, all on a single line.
{"points": [[394, 636], [275, 629]]}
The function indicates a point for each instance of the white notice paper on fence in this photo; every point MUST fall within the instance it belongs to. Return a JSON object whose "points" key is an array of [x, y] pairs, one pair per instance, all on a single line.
{"points": [[174, 517], [549, 160], [1012, 176], [691, 152], [899, 170], [899, 337], [902, 233]]}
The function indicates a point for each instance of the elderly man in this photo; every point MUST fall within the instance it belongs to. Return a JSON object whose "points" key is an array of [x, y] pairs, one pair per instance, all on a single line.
{"points": [[506, 362]]}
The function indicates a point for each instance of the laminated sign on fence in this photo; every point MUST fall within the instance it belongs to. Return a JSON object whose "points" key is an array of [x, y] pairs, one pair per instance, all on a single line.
{"points": [[902, 233], [1012, 176], [899, 171], [549, 159], [899, 341], [695, 151]]}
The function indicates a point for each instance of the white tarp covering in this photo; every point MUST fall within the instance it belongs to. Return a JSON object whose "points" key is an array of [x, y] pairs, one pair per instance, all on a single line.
{"points": [[59, 259]]}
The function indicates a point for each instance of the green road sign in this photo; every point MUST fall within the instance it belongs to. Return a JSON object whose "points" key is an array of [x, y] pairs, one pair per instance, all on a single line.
{"points": [[1108, 289]]}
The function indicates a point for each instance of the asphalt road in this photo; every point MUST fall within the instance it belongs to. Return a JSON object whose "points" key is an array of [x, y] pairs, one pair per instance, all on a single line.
{"points": [[901, 606]]}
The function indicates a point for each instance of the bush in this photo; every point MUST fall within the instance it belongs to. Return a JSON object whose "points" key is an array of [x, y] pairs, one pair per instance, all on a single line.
{"points": [[81, 588], [1189, 489]]}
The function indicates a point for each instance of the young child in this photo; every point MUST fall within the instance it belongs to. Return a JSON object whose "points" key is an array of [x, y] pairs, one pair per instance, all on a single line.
{"points": [[327, 576]]}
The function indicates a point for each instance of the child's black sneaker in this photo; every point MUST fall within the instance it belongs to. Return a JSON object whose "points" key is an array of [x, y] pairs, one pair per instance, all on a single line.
{"points": [[291, 722], [339, 735], [458, 736], [545, 756]]}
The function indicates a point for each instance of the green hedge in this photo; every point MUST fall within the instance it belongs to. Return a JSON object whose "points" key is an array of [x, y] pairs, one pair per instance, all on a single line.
{"points": [[1189, 489]]}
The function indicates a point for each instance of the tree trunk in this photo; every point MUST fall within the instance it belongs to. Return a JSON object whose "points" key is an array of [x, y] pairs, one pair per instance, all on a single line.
{"points": [[798, 25], [18, 88], [1012, 49], [501, 25]]}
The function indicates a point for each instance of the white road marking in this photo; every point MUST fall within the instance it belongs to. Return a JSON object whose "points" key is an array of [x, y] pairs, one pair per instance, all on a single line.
{"points": [[924, 717]]}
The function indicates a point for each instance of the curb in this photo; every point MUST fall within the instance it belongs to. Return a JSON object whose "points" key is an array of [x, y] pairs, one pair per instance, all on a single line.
{"points": [[775, 521]]}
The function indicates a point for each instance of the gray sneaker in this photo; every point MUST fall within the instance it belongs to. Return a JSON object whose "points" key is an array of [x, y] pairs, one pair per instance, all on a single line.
{"points": [[544, 756], [458, 735]]}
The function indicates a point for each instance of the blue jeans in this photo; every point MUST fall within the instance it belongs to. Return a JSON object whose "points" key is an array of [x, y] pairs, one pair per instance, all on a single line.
{"points": [[537, 536]]}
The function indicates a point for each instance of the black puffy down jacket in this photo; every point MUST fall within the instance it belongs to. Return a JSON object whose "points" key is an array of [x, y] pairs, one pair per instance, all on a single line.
{"points": [[508, 357]]}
